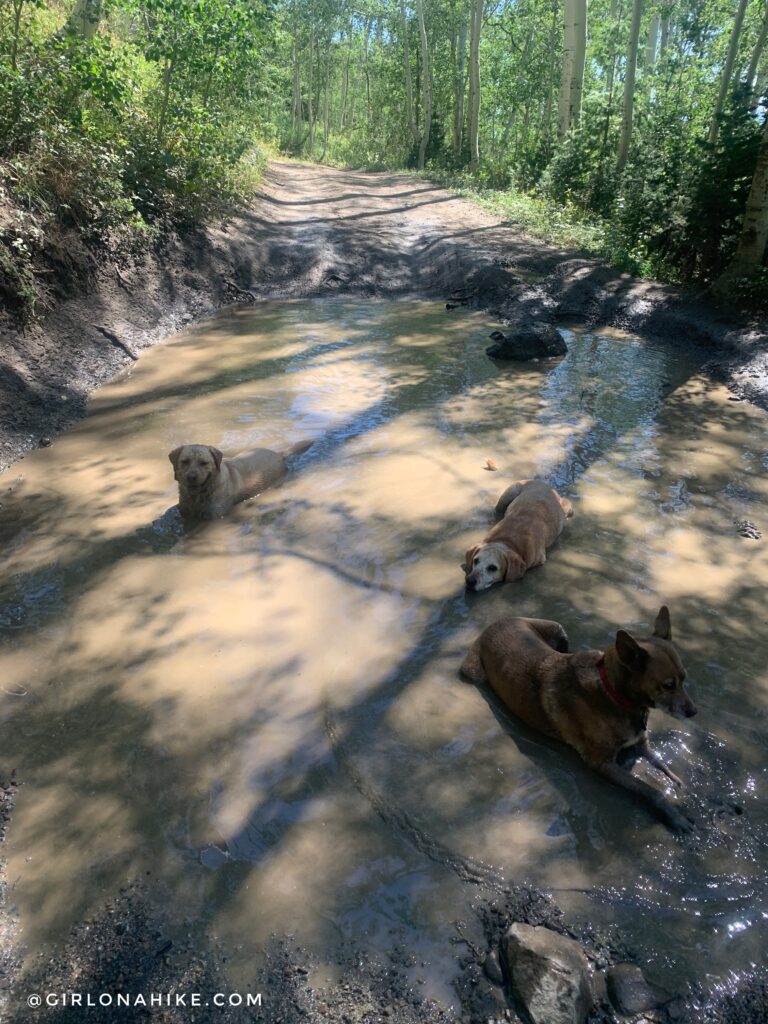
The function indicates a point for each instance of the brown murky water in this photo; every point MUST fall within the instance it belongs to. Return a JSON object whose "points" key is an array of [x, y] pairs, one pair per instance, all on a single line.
{"points": [[265, 714]]}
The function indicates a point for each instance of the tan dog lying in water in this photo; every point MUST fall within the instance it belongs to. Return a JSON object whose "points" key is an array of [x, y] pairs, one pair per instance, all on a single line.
{"points": [[534, 516], [209, 484], [595, 702]]}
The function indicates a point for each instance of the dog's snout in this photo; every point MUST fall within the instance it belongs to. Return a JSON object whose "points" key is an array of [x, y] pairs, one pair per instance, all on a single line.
{"points": [[470, 583], [690, 710]]}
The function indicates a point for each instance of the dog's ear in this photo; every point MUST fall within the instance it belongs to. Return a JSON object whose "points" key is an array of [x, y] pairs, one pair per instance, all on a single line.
{"points": [[630, 653], [514, 567], [470, 557], [217, 456], [662, 627], [174, 455]]}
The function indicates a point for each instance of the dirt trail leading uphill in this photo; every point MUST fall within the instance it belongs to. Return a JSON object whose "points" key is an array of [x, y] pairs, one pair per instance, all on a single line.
{"points": [[315, 231]]}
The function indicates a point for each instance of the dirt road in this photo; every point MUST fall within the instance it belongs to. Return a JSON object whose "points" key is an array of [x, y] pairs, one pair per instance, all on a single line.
{"points": [[315, 231]]}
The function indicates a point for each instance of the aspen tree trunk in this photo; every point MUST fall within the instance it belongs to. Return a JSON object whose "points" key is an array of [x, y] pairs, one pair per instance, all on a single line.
{"points": [[84, 19], [412, 131], [427, 84], [616, 15], [652, 43], [367, 72], [566, 77], [326, 107], [757, 53], [666, 29], [476, 25], [345, 120], [508, 129], [629, 85], [310, 92], [727, 75], [750, 251], [459, 89], [579, 58], [550, 78], [296, 110]]}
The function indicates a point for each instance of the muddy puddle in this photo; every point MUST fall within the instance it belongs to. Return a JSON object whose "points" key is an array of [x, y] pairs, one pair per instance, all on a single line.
{"points": [[263, 718]]}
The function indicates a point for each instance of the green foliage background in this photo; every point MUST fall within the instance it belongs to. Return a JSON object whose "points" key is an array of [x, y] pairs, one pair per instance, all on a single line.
{"points": [[154, 122], [165, 115]]}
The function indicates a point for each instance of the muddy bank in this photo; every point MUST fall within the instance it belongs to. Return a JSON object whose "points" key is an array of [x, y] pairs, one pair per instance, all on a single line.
{"points": [[127, 951], [317, 231]]}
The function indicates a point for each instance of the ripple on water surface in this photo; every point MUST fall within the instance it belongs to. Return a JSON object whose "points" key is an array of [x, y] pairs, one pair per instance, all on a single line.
{"points": [[265, 713]]}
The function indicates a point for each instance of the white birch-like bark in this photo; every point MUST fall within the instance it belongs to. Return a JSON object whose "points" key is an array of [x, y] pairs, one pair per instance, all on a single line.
{"points": [[628, 108], [566, 76], [84, 19], [750, 251], [476, 25], [426, 84], [550, 78], [412, 131], [727, 73], [754, 62], [579, 58], [666, 32], [459, 88], [652, 43], [296, 106]]}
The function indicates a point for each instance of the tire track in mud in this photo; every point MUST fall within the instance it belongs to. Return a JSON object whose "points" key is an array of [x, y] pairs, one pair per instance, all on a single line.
{"points": [[485, 876], [399, 821]]}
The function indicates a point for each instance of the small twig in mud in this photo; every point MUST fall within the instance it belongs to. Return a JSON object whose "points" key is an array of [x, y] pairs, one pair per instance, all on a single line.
{"points": [[468, 942], [121, 280], [238, 290], [111, 336]]}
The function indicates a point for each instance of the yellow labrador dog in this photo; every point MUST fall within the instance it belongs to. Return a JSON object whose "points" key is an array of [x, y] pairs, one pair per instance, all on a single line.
{"points": [[533, 518], [209, 484]]}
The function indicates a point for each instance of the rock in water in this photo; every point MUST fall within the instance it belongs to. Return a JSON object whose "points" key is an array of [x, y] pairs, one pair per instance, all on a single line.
{"points": [[630, 993], [534, 340], [548, 974]]}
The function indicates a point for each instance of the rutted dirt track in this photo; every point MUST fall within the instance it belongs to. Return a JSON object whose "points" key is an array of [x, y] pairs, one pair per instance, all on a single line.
{"points": [[314, 231]]}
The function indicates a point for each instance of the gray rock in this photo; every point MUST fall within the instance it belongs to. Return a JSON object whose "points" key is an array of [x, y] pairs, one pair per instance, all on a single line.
{"points": [[492, 968], [630, 993], [548, 974], [533, 340]]}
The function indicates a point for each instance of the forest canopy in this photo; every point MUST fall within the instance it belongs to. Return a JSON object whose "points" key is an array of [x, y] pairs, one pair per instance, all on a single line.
{"points": [[634, 128]]}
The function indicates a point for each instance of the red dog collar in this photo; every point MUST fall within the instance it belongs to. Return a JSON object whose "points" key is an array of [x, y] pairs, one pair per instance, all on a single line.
{"points": [[611, 692]]}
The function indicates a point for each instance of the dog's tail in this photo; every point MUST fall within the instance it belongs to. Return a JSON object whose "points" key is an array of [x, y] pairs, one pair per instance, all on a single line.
{"points": [[296, 449]]}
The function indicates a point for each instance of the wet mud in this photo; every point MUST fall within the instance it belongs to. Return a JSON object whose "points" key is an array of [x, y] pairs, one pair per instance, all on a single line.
{"points": [[322, 231], [261, 720]]}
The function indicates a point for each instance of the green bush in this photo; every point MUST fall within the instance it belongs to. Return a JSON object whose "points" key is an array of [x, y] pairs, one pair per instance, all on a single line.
{"points": [[96, 136]]}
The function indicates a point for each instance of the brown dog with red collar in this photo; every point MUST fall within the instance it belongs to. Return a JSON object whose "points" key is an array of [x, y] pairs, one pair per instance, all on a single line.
{"points": [[595, 702]]}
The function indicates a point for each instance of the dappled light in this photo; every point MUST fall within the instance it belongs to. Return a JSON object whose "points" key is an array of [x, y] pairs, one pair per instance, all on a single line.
{"points": [[265, 713]]}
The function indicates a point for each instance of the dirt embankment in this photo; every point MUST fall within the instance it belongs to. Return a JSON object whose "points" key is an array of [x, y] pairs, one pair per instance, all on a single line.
{"points": [[313, 231], [322, 231]]}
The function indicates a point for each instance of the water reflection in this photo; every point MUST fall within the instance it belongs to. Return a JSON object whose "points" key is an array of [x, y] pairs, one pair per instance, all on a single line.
{"points": [[265, 713]]}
